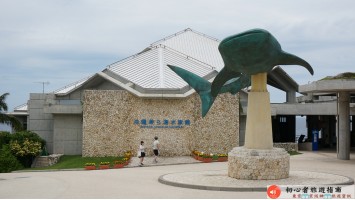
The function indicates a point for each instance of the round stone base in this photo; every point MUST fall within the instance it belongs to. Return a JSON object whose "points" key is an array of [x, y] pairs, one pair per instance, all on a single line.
{"points": [[218, 180], [257, 164]]}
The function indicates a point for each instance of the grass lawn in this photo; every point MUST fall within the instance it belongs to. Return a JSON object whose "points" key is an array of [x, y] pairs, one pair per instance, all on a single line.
{"points": [[70, 162]]}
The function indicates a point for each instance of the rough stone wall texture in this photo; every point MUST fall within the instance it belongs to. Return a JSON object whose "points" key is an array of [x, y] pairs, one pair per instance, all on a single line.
{"points": [[290, 146], [109, 129], [258, 164], [45, 161]]}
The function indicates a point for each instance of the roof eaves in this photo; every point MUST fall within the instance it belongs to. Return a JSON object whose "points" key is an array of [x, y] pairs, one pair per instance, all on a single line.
{"points": [[161, 94], [22, 113], [285, 82], [288, 77], [76, 85]]}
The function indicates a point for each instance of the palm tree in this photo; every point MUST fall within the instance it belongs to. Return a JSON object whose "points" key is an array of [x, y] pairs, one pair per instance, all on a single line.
{"points": [[7, 119]]}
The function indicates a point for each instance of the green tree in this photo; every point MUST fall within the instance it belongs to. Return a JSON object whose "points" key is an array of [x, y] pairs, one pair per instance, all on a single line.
{"points": [[7, 119]]}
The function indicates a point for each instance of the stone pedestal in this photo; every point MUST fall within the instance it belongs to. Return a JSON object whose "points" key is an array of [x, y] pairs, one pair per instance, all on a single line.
{"points": [[258, 160], [258, 164]]}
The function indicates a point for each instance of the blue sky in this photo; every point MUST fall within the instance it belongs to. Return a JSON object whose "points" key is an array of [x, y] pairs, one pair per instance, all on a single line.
{"points": [[65, 41]]}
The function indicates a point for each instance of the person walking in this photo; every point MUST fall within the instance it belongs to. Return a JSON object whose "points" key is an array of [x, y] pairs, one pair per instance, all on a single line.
{"points": [[156, 149], [141, 153]]}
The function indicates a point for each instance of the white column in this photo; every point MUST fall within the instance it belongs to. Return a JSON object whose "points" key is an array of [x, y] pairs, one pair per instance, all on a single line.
{"points": [[343, 126], [291, 97]]}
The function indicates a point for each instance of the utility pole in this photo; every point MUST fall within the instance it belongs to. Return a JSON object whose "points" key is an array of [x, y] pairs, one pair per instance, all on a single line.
{"points": [[43, 83]]}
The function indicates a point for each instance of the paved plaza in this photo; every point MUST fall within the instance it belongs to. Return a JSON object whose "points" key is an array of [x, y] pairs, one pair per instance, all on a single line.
{"points": [[142, 182]]}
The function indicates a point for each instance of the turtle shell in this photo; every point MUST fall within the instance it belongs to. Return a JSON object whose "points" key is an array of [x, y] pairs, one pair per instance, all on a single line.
{"points": [[250, 52]]}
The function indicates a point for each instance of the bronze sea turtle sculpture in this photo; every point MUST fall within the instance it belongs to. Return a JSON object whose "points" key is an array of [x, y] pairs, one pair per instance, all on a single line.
{"points": [[248, 53]]}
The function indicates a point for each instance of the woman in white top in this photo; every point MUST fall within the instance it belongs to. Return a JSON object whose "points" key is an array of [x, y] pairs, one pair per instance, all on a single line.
{"points": [[141, 150]]}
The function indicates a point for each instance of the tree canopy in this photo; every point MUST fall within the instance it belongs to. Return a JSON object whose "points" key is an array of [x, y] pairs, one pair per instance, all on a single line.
{"points": [[8, 119]]}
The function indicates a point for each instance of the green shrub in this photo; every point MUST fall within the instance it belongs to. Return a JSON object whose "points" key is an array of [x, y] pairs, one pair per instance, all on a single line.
{"points": [[8, 162], [23, 135], [26, 151], [5, 138], [27, 148], [26, 145]]}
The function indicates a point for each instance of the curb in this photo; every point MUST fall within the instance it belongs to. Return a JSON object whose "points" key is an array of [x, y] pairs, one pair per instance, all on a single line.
{"points": [[162, 180], [214, 188]]}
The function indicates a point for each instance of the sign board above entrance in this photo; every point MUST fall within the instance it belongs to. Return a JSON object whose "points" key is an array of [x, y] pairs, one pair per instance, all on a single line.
{"points": [[162, 123]]}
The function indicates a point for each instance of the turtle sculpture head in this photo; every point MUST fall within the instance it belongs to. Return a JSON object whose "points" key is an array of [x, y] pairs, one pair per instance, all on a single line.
{"points": [[256, 51], [244, 54]]}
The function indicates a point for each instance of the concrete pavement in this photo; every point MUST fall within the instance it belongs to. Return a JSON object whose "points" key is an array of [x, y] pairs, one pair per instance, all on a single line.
{"points": [[142, 182]]}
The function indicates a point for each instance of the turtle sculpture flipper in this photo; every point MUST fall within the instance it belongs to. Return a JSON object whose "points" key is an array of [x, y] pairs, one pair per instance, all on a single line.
{"points": [[225, 75], [203, 87], [234, 85], [244, 54], [290, 59]]}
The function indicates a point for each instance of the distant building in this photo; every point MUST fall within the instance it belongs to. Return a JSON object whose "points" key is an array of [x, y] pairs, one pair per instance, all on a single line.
{"points": [[330, 108]]}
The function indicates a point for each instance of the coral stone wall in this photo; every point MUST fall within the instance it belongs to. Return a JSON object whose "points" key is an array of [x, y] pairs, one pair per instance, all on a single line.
{"points": [[258, 164], [110, 128], [289, 146]]}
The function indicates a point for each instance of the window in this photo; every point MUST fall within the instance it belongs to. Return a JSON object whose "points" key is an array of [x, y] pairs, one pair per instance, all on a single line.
{"points": [[283, 119]]}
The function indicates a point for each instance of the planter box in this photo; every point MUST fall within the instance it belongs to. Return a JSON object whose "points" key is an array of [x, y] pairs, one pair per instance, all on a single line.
{"points": [[127, 162], [195, 156], [222, 159], [104, 166], [119, 165], [90, 167], [206, 160]]}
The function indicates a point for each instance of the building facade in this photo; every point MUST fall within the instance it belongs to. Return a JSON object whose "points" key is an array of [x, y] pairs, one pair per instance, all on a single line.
{"points": [[139, 97], [136, 99]]}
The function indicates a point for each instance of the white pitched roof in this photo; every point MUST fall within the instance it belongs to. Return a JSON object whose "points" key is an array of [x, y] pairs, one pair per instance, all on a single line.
{"points": [[72, 86], [187, 49], [21, 108], [149, 69], [196, 45]]}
